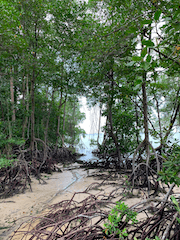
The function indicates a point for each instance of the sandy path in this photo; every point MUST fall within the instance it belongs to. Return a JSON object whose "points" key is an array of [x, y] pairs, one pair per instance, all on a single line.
{"points": [[79, 185], [59, 186]]}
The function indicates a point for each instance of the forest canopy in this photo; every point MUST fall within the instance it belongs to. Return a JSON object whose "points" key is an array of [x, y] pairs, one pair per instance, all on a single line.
{"points": [[124, 57], [121, 55]]}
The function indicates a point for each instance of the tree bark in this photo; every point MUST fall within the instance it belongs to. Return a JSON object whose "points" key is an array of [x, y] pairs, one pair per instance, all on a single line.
{"points": [[72, 124], [137, 123], [58, 121], [64, 117], [47, 122], [35, 46], [99, 126], [110, 76], [12, 97], [112, 133], [25, 102], [2, 111], [32, 112], [145, 109], [159, 118]]}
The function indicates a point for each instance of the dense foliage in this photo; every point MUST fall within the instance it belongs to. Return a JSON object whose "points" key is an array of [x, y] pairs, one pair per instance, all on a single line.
{"points": [[121, 55]]}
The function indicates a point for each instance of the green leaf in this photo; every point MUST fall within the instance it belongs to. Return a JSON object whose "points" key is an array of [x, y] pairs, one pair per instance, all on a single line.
{"points": [[145, 65], [157, 15], [144, 52], [143, 22], [148, 59], [174, 200], [178, 220], [129, 64], [138, 81], [136, 58], [157, 238], [148, 43]]}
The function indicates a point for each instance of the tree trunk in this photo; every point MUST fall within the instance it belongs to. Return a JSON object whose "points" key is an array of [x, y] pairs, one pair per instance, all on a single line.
{"points": [[145, 109], [2, 111], [73, 125], [112, 134], [25, 102], [32, 111], [47, 122], [64, 117], [58, 123], [159, 119], [35, 47], [59, 116], [110, 76], [137, 123], [12, 97], [46, 134], [99, 126], [173, 119]]}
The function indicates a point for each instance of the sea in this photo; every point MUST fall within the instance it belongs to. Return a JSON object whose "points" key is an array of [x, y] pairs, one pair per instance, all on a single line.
{"points": [[86, 147]]}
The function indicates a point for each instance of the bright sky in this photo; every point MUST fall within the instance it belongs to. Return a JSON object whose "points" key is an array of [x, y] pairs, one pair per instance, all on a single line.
{"points": [[90, 124]]}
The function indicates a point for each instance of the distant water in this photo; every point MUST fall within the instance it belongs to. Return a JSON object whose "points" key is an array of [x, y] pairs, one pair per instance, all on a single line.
{"points": [[175, 137], [86, 147]]}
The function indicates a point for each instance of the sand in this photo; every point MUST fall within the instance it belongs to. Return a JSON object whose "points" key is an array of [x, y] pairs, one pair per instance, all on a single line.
{"points": [[60, 186]]}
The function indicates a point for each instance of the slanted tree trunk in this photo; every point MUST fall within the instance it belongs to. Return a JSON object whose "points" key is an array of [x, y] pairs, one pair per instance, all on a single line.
{"points": [[172, 120]]}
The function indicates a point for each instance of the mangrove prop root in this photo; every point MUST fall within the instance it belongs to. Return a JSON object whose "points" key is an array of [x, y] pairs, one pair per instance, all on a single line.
{"points": [[84, 219], [16, 178]]}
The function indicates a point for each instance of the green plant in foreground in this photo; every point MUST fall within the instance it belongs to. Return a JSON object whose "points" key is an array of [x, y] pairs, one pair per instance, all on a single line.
{"points": [[156, 238], [119, 215], [173, 199], [171, 167]]}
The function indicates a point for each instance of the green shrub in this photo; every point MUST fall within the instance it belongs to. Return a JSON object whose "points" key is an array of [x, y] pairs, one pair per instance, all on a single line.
{"points": [[171, 166], [4, 162], [119, 214]]}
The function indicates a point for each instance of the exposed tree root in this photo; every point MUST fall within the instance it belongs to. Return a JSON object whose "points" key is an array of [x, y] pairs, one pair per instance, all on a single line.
{"points": [[16, 178], [73, 219]]}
